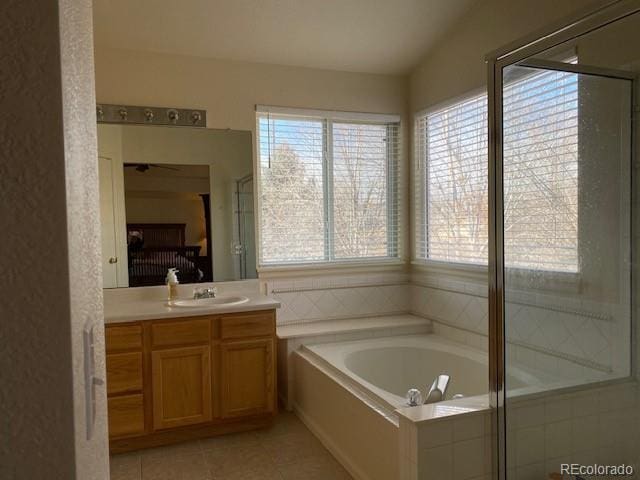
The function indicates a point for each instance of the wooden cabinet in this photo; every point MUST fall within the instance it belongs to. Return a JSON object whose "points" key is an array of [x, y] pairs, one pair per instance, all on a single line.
{"points": [[181, 386], [124, 373], [125, 397], [247, 325], [247, 377], [123, 337], [126, 415], [176, 379]]}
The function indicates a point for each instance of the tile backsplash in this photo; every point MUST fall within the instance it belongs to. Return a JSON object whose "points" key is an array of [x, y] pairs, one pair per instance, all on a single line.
{"points": [[562, 333], [339, 296], [586, 335]]}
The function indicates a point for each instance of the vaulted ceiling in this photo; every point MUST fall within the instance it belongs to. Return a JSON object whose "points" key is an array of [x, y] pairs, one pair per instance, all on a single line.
{"points": [[373, 36]]}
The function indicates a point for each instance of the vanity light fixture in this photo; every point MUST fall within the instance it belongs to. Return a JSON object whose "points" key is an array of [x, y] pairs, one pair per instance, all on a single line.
{"points": [[129, 114], [173, 116]]}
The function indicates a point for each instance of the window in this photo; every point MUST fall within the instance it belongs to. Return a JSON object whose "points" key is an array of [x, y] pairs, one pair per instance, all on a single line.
{"points": [[328, 186], [453, 183], [540, 176]]}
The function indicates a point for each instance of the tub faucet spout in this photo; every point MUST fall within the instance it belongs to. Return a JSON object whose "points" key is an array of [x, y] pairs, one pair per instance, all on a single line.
{"points": [[438, 389]]}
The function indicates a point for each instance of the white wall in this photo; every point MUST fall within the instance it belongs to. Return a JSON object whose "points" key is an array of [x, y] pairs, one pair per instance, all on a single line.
{"points": [[50, 284]]}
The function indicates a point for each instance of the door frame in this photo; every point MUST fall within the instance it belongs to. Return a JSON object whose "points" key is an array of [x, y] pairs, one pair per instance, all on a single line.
{"points": [[587, 20]]}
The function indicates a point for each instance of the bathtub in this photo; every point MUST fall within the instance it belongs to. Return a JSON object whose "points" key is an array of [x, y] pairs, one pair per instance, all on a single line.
{"points": [[388, 367], [348, 393]]}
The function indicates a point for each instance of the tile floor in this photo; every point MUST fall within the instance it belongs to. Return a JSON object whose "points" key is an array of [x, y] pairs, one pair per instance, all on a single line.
{"points": [[285, 451]]}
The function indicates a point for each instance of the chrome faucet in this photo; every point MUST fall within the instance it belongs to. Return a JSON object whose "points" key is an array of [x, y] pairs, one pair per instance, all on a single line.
{"points": [[438, 389], [207, 292]]}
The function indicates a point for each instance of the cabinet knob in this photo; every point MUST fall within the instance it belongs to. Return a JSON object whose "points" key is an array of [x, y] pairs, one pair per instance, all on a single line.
{"points": [[113, 260]]}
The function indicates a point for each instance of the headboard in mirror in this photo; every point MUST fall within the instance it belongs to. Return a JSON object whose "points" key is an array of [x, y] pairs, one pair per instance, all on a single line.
{"points": [[175, 197]]}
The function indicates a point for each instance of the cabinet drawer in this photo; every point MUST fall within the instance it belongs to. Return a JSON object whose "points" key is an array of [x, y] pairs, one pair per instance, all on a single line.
{"points": [[123, 337], [124, 372], [244, 325], [126, 415], [181, 332]]}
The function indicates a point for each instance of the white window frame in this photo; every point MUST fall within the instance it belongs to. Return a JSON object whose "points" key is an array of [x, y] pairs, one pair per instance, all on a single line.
{"points": [[330, 116]]}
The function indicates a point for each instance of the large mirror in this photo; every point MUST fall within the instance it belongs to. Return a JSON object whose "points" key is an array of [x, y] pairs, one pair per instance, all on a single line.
{"points": [[175, 197]]}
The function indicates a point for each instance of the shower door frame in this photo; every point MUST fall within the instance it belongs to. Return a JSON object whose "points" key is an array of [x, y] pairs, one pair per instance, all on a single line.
{"points": [[560, 32]]}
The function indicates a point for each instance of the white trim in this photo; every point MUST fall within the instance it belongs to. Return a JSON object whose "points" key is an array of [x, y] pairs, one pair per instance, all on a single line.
{"points": [[327, 268], [359, 263], [330, 114], [470, 271]]}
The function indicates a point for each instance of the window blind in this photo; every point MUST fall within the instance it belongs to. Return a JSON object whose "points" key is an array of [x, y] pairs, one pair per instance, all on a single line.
{"points": [[328, 189], [540, 111], [453, 181], [540, 171], [291, 189]]}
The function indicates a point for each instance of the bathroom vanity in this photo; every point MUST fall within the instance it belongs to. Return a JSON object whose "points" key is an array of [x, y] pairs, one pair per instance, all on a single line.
{"points": [[195, 375]]}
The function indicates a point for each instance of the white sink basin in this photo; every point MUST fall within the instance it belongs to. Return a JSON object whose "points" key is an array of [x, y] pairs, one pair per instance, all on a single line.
{"points": [[210, 302]]}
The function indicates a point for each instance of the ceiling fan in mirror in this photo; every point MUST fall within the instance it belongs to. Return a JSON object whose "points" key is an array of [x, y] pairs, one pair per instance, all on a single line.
{"points": [[143, 167]]}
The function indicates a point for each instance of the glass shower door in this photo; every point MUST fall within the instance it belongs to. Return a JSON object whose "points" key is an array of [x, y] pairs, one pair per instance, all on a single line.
{"points": [[569, 398]]}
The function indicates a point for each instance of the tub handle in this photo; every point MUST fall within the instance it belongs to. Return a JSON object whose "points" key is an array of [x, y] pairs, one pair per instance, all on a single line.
{"points": [[414, 397], [438, 389]]}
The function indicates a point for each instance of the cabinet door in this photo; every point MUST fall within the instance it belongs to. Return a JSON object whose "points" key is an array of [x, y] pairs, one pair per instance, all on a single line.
{"points": [[247, 377], [181, 386]]}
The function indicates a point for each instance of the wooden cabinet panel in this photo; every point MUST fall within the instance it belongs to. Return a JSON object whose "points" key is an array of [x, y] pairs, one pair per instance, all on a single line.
{"points": [[181, 385], [123, 337], [243, 325], [247, 377], [124, 373], [126, 415], [181, 332]]}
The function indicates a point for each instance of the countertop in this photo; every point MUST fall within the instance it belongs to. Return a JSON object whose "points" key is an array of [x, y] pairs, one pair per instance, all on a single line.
{"points": [[136, 309]]}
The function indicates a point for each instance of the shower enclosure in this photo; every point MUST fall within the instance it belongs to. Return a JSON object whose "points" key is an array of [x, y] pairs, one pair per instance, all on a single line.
{"points": [[563, 247]]}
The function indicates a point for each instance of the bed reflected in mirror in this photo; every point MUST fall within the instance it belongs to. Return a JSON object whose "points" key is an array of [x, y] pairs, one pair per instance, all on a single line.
{"points": [[168, 222]]}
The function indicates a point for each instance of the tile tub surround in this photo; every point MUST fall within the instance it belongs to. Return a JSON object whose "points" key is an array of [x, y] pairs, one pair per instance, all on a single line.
{"points": [[333, 297], [149, 303], [587, 426], [447, 441], [559, 333], [286, 451]]}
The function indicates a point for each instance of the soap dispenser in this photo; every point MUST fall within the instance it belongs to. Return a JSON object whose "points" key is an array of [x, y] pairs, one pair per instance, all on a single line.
{"points": [[172, 284]]}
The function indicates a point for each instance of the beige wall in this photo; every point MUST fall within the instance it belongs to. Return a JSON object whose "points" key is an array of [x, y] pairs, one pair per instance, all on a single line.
{"points": [[49, 208], [229, 91], [456, 65]]}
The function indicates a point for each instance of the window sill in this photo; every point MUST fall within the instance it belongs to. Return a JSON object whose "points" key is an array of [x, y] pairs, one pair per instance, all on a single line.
{"points": [[458, 271], [519, 280], [323, 268]]}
